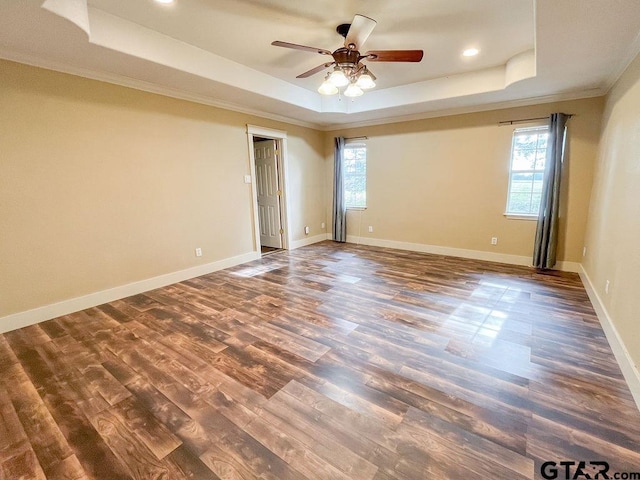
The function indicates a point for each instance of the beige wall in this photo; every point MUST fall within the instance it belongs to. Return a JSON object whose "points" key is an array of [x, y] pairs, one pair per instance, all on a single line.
{"points": [[101, 185], [613, 236], [444, 181], [306, 182]]}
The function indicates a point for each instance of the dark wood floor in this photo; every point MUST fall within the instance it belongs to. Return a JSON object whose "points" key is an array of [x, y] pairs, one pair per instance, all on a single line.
{"points": [[327, 362]]}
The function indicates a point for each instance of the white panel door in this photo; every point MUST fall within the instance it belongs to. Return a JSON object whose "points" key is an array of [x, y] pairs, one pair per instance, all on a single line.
{"points": [[268, 193]]}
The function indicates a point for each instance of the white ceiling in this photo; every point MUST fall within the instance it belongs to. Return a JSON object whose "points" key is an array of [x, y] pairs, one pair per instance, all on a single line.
{"points": [[219, 51]]}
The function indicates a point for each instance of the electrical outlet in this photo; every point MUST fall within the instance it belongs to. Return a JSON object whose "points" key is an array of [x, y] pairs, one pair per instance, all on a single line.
{"points": [[322, 225], [247, 179], [306, 230], [198, 252], [606, 287], [584, 251], [370, 229], [494, 240]]}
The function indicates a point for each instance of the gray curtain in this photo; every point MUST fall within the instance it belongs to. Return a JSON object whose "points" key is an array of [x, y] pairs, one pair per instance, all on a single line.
{"points": [[544, 253], [339, 206]]}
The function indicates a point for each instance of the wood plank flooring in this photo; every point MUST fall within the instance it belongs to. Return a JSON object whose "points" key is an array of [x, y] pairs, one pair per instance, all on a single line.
{"points": [[328, 362]]}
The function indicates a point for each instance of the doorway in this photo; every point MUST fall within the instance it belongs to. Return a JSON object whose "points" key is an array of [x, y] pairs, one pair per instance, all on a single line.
{"points": [[268, 193], [267, 152]]}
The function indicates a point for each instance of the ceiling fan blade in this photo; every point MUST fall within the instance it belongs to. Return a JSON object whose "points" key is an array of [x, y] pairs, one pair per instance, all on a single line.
{"points": [[394, 55], [359, 31], [313, 71], [295, 46]]}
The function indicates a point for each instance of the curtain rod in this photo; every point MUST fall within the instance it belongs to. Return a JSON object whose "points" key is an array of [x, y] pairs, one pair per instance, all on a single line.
{"points": [[357, 138], [525, 120]]}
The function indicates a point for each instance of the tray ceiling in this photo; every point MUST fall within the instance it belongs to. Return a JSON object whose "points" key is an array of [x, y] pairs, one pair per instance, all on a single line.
{"points": [[219, 52]]}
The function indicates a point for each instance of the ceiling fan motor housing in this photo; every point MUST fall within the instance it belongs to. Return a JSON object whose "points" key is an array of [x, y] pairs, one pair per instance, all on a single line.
{"points": [[345, 57]]}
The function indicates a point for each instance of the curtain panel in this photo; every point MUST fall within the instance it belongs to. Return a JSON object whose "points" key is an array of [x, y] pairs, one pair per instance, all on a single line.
{"points": [[339, 205], [546, 241]]}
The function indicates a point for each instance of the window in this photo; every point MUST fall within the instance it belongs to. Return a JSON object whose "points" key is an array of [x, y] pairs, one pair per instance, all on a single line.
{"points": [[528, 155], [355, 175]]}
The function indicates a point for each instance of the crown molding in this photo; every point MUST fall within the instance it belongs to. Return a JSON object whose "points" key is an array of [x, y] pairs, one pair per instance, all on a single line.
{"points": [[148, 87], [561, 97]]}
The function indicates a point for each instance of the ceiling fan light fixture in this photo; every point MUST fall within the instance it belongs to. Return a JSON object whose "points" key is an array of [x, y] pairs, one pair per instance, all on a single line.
{"points": [[338, 78], [327, 88], [365, 82], [348, 71], [353, 91]]}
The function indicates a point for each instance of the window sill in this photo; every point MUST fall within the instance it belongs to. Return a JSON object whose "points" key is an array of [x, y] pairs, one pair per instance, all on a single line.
{"points": [[516, 216], [356, 208]]}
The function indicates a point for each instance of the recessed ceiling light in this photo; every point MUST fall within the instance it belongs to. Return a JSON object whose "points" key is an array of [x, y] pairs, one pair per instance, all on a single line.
{"points": [[166, 2], [471, 52]]}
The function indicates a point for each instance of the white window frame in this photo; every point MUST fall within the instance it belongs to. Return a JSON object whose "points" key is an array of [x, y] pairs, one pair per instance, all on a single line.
{"points": [[353, 145], [520, 215]]}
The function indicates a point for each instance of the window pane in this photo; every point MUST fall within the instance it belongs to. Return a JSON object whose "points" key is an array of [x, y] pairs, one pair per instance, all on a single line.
{"points": [[522, 176], [521, 182], [528, 155], [528, 141], [521, 187], [355, 178], [520, 203], [542, 141], [355, 183], [524, 159], [349, 198], [541, 156], [537, 183], [535, 202]]}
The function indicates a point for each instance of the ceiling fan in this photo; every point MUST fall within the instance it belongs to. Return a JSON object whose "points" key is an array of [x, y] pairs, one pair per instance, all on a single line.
{"points": [[348, 68]]}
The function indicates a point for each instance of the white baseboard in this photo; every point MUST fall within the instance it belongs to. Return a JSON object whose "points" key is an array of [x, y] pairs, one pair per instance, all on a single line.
{"points": [[308, 241], [457, 252], [47, 312], [573, 267], [629, 369]]}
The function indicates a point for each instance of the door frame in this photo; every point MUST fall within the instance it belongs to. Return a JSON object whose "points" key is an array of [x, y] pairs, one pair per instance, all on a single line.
{"points": [[281, 141]]}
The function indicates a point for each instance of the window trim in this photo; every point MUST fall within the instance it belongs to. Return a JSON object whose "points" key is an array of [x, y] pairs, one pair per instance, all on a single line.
{"points": [[519, 215]]}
